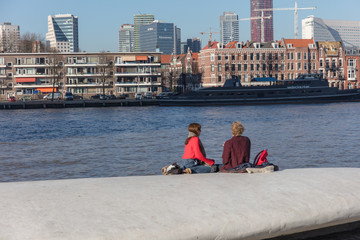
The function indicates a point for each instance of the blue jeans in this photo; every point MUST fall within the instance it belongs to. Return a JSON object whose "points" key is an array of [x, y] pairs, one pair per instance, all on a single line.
{"points": [[194, 166]]}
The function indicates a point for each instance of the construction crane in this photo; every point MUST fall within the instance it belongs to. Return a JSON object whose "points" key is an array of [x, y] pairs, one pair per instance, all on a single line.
{"points": [[262, 23], [210, 35], [295, 9]]}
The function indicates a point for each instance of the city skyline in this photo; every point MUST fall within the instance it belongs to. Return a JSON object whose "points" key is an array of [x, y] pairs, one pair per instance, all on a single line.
{"points": [[100, 22]]}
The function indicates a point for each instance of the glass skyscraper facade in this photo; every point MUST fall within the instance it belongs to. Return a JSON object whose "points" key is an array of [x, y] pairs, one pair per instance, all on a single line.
{"points": [[63, 33], [229, 27], [139, 20], [256, 23], [158, 36]]}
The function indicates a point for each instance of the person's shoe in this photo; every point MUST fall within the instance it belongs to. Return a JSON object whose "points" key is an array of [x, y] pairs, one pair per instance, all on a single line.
{"points": [[187, 171]]}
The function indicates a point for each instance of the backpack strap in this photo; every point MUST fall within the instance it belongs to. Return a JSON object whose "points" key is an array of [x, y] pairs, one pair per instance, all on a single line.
{"points": [[256, 159]]}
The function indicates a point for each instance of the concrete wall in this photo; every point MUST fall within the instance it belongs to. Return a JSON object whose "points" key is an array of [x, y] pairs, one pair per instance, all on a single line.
{"points": [[198, 206]]}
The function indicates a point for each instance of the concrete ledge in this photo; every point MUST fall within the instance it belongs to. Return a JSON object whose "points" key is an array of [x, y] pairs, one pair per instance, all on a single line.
{"points": [[199, 206]]}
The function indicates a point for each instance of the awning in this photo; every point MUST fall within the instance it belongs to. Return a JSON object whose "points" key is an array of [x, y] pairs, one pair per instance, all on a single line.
{"points": [[25, 79], [46, 89], [141, 58], [128, 58]]}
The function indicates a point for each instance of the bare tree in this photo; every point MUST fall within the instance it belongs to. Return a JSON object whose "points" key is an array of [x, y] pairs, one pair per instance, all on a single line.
{"points": [[105, 69], [56, 66], [27, 40]]}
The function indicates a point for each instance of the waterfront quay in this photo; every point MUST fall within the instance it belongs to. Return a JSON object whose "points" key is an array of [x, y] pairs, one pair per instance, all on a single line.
{"points": [[77, 103], [288, 204]]}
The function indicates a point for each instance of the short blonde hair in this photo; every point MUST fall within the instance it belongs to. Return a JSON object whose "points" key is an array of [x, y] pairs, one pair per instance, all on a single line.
{"points": [[237, 129]]}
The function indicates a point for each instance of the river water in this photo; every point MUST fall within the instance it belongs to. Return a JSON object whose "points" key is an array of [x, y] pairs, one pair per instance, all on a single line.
{"points": [[43, 144]]}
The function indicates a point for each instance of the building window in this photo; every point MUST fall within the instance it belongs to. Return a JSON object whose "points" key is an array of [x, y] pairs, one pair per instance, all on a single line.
{"points": [[321, 63], [351, 74], [219, 57], [299, 56], [212, 67], [258, 56], [233, 67], [282, 56], [282, 67], [226, 57], [239, 67], [213, 78], [251, 56], [219, 78], [219, 67], [226, 67], [251, 67], [299, 66], [233, 57], [212, 57], [257, 67], [245, 67], [305, 66], [351, 63], [305, 56], [245, 57]]}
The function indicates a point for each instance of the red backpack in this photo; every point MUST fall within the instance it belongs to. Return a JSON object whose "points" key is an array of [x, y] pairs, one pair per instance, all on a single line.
{"points": [[260, 158]]}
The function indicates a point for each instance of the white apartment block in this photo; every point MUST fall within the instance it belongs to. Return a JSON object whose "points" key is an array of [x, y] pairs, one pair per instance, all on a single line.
{"points": [[9, 37], [332, 30]]}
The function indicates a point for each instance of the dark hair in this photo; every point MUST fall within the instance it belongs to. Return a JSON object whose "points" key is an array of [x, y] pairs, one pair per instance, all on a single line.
{"points": [[194, 128]]}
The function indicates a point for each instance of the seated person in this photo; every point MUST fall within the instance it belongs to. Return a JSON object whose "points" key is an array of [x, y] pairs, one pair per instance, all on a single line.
{"points": [[237, 149], [194, 154]]}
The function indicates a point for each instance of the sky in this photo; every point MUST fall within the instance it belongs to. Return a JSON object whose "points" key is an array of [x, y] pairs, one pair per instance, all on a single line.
{"points": [[100, 21]]}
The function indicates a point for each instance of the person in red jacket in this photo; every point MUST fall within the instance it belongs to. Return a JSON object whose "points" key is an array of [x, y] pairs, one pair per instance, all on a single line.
{"points": [[237, 149], [194, 156]]}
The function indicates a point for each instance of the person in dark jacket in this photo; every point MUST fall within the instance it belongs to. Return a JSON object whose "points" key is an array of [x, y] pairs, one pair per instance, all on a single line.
{"points": [[237, 149]]}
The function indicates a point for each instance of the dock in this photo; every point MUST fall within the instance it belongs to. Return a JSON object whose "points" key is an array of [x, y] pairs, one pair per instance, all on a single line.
{"points": [[34, 104], [302, 202]]}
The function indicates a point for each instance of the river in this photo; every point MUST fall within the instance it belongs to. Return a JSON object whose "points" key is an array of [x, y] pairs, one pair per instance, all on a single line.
{"points": [[44, 144]]}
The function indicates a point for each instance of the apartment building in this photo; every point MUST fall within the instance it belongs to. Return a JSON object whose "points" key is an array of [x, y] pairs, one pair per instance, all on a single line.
{"points": [[351, 68], [331, 62], [245, 61], [87, 74], [9, 37]]}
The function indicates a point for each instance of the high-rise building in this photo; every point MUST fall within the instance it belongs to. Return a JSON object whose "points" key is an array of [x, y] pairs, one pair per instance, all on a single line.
{"points": [[159, 37], [229, 27], [126, 38], [139, 20], [332, 30], [63, 33], [193, 44], [9, 37], [256, 23]]}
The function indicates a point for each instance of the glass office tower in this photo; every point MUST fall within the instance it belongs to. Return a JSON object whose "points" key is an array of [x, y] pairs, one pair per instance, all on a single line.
{"points": [[63, 33]]}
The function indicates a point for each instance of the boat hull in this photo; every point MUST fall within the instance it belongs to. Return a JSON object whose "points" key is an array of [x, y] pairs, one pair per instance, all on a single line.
{"points": [[199, 101]]}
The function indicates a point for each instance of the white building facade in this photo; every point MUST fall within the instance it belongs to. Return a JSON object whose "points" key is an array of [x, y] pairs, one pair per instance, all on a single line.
{"points": [[332, 30], [9, 37]]}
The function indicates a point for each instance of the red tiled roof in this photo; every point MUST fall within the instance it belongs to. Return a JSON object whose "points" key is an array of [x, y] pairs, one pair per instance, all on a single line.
{"points": [[166, 58], [213, 45], [195, 56], [299, 42], [231, 44]]}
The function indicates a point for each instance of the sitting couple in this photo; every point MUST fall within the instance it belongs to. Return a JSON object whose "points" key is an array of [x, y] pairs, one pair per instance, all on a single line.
{"points": [[236, 151]]}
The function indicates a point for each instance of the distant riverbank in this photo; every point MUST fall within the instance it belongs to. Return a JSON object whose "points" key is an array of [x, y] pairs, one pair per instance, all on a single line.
{"points": [[34, 104]]}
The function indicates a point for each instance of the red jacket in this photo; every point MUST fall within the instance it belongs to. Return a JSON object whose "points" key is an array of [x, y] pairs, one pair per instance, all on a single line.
{"points": [[192, 151], [236, 151]]}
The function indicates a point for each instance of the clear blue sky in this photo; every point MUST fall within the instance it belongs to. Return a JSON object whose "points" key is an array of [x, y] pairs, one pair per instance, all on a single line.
{"points": [[100, 21]]}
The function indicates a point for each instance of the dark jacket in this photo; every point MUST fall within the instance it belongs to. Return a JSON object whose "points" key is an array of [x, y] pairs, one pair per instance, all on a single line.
{"points": [[236, 151]]}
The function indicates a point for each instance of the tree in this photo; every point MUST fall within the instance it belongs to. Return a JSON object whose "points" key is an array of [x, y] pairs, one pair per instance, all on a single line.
{"points": [[27, 40], [56, 65], [105, 69]]}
